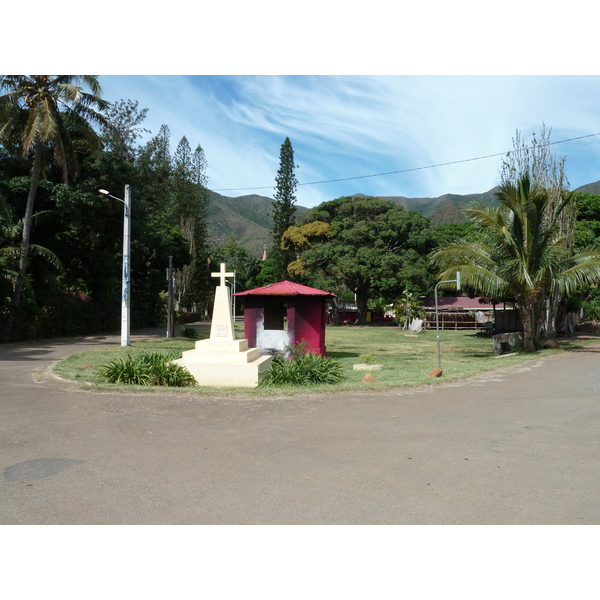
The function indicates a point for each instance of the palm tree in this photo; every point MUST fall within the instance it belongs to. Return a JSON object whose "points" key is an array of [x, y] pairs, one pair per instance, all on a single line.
{"points": [[522, 257], [33, 116], [10, 233]]}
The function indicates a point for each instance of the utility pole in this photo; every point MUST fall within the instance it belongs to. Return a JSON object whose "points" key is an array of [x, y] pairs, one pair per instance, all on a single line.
{"points": [[126, 281], [170, 319]]}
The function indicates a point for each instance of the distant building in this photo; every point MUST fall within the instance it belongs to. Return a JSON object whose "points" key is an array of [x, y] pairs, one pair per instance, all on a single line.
{"points": [[462, 312]]}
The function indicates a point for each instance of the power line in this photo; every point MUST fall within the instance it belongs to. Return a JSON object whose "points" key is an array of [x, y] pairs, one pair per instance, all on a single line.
{"points": [[454, 162]]}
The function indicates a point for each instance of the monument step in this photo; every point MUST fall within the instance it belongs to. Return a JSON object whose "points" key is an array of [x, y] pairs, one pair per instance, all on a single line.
{"points": [[228, 375], [208, 356], [221, 345]]}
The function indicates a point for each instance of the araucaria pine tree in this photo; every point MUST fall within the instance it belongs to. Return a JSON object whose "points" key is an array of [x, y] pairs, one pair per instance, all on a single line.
{"points": [[284, 207]]}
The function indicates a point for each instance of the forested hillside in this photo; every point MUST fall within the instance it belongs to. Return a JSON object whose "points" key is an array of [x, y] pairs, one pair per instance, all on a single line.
{"points": [[248, 218]]}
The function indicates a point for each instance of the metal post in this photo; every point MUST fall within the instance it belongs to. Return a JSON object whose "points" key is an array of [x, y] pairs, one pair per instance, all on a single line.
{"points": [[437, 327], [437, 317], [170, 327], [126, 295]]}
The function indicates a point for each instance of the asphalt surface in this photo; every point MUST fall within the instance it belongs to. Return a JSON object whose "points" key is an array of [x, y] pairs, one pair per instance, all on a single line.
{"points": [[519, 446]]}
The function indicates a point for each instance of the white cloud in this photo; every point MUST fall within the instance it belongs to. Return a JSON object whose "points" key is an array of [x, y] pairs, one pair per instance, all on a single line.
{"points": [[352, 126]]}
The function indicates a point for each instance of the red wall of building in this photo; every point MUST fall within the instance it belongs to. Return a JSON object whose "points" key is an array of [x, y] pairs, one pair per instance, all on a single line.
{"points": [[306, 319]]}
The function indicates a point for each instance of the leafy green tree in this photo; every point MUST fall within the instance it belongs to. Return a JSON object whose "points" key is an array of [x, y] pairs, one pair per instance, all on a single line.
{"points": [[267, 274], [525, 257], [123, 129], [33, 114], [546, 172], [156, 232], [587, 233], [284, 206], [445, 234], [298, 239], [373, 241], [10, 234], [587, 230]]}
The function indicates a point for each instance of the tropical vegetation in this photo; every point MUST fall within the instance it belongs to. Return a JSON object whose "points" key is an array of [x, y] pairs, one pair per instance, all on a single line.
{"points": [[303, 370], [60, 250], [372, 247], [524, 256], [149, 368], [34, 117]]}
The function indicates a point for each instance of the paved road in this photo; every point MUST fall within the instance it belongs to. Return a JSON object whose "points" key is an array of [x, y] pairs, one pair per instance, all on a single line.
{"points": [[520, 446]]}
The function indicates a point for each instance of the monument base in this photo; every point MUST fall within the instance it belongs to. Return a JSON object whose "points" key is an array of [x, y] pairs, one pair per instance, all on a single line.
{"points": [[227, 363]]}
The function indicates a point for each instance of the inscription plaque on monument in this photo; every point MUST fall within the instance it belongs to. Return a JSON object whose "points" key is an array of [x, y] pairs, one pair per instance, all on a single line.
{"points": [[221, 330]]}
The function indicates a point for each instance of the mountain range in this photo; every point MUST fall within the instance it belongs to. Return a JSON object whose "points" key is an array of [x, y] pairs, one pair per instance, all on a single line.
{"points": [[248, 218]]}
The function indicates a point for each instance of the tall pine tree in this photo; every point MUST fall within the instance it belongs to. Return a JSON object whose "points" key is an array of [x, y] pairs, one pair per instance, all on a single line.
{"points": [[189, 181], [284, 208]]}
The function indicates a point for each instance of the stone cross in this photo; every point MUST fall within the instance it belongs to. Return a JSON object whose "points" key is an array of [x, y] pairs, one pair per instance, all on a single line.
{"points": [[222, 274]]}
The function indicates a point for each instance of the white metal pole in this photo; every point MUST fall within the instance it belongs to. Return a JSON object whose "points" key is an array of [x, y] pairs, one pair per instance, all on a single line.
{"points": [[126, 295], [437, 327], [437, 319]]}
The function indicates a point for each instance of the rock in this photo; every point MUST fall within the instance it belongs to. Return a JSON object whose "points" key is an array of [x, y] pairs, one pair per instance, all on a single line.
{"points": [[506, 342], [550, 344], [435, 373], [368, 378]]}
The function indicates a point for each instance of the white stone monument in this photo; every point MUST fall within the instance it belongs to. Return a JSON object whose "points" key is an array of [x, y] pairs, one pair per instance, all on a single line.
{"points": [[221, 360]]}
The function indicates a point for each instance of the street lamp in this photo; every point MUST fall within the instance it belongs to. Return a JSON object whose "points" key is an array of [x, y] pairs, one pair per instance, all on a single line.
{"points": [[125, 296], [437, 318]]}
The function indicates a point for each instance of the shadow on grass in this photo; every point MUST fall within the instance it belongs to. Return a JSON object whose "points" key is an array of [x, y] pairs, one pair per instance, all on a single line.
{"points": [[342, 354], [477, 354], [581, 348]]}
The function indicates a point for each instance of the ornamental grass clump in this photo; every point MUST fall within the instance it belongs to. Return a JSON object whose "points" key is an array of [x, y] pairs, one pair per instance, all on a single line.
{"points": [[304, 370], [151, 368], [187, 331]]}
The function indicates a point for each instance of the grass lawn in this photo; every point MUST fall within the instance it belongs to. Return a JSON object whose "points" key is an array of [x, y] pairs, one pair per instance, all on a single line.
{"points": [[407, 359]]}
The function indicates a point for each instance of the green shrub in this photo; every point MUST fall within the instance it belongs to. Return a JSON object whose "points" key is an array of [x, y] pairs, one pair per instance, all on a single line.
{"points": [[308, 369], [368, 359], [187, 331], [591, 309], [151, 368], [298, 350]]}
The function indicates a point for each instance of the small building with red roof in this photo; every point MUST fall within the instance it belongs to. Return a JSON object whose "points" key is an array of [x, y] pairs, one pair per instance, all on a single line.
{"points": [[462, 312], [285, 314]]}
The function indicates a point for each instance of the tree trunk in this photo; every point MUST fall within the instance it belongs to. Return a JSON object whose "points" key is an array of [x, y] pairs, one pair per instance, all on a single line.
{"points": [[362, 298], [335, 311], [526, 312], [20, 281]]}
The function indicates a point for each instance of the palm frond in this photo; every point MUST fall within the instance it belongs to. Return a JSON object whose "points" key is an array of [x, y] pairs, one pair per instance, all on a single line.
{"points": [[47, 255], [583, 268]]}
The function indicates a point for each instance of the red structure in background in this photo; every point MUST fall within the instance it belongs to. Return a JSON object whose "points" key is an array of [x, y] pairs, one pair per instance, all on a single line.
{"points": [[285, 314]]}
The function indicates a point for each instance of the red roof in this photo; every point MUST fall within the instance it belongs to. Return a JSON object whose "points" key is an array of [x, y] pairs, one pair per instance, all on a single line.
{"points": [[458, 303], [285, 288]]}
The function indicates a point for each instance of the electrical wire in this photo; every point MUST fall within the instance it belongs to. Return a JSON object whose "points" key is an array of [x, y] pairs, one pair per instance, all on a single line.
{"points": [[454, 162]]}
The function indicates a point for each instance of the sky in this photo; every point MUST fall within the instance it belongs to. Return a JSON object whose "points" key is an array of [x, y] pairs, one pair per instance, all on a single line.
{"points": [[380, 135]]}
